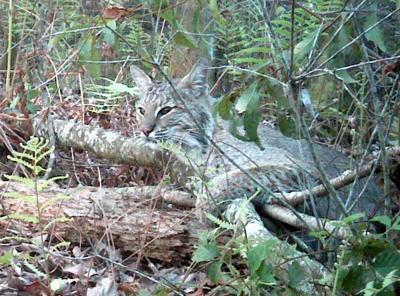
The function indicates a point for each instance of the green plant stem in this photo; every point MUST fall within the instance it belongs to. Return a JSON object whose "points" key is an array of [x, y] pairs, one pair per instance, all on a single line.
{"points": [[335, 283], [9, 48], [39, 209]]}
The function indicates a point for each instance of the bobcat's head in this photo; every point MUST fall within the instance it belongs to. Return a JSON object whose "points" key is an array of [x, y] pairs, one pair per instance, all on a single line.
{"points": [[163, 116]]}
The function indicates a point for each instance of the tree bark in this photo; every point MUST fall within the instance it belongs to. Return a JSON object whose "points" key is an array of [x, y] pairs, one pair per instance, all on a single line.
{"points": [[131, 219], [115, 147]]}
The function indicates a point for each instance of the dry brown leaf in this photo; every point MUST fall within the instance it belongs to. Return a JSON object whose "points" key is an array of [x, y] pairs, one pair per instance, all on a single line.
{"points": [[116, 12]]}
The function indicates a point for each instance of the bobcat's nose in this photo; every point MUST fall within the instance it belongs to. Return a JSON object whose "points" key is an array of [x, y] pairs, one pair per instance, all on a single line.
{"points": [[147, 130]]}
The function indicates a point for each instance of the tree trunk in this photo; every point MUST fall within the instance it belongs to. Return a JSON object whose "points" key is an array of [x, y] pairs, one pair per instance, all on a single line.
{"points": [[131, 219]]}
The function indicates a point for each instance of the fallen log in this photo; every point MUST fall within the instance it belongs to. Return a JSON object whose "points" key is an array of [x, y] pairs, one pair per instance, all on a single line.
{"points": [[132, 220], [113, 146]]}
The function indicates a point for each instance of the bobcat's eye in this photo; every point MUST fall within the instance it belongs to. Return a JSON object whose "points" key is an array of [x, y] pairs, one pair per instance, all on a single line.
{"points": [[164, 111], [141, 111]]}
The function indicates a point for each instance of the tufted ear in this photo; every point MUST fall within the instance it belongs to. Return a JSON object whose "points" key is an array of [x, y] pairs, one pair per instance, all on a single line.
{"points": [[196, 79], [142, 81]]}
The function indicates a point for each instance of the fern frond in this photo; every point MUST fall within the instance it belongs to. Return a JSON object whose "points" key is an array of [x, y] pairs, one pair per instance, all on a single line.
{"points": [[30, 199], [44, 154], [12, 238], [221, 223], [35, 145], [24, 218], [34, 269], [60, 245], [46, 183], [53, 201], [57, 220], [21, 161], [21, 180]]}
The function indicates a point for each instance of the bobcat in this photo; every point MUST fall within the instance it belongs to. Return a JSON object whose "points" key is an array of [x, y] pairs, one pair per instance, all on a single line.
{"points": [[162, 116], [283, 165]]}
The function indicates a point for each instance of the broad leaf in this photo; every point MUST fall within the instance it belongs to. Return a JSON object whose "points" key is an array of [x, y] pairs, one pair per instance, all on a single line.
{"points": [[387, 261], [385, 220], [214, 272], [185, 39], [108, 35], [375, 34], [353, 218], [247, 98], [345, 76], [90, 53], [6, 258], [296, 275], [205, 252], [215, 12], [257, 254], [304, 47], [265, 275]]}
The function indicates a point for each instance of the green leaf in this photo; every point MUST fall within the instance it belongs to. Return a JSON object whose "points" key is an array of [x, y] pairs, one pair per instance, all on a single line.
{"points": [[32, 94], [390, 278], [385, 220], [22, 180], [54, 41], [254, 50], [375, 34], [287, 125], [247, 105], [196, 21], [258, 253], [369, 289], [296, 275], [345, 76], [90, 53], [169, 16], [373, 246], [30, 199], [248, 60], [246, 99], [265, 275], [116, 88], [184, 39], [214, 272], [108, 35], [205, 252], [31, 108], [387, 261], [251, 120], [224, 106], [215, 12], [396, 224], [304, 47], [6, 259], [24, 218], [353, 279], [353, 218]]}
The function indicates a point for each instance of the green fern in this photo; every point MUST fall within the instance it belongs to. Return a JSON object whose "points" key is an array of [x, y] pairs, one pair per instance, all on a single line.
{"points": [[221, 223], [33, 154], [103, 98], [35, 150]]}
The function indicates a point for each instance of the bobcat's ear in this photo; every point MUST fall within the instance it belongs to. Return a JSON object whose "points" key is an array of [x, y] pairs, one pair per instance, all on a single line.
{"points": [[196, 79], [143, 82]]}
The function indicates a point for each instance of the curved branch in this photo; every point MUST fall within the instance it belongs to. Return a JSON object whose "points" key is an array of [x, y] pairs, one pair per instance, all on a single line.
{"points": [[115, 147]]}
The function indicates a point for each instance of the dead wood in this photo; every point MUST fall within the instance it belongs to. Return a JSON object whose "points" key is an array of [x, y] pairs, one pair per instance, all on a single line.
{"points": [[133, 220], [113, 146], [346, 178], [282, 254]]}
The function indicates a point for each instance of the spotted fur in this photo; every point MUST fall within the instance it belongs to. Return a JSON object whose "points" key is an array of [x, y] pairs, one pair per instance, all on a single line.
{"points": [[184, 118]]}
